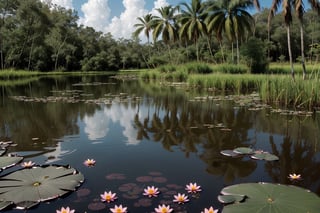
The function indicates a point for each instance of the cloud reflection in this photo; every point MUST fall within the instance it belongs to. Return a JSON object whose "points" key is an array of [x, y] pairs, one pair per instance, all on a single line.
{"points": [[98, 125]]}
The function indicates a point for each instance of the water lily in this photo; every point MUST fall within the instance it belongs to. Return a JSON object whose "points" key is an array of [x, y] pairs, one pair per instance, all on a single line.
{"points": [[180, 198], [28, 164], [151, 191], [294, 176], [108, 197], [193, 188], [118, 209], [210, 210], [65, 210], [163, 209], [89, 162]]}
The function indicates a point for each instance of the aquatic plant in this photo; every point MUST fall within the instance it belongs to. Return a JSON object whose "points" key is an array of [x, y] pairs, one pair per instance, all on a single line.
{"points": [[26, 188], [267, 197]]}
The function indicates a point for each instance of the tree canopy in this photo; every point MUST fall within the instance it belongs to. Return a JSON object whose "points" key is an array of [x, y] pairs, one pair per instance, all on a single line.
{"points": [[42, 37]]}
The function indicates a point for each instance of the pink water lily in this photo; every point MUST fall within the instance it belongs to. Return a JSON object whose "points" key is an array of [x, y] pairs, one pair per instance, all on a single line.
{"points": [[210, 210], [118, 209], [65, 210], [28, 164], [89, 162], [108, 197], [163, 209], [294, 176], [180, 198], [193, 188], [151, 191]]}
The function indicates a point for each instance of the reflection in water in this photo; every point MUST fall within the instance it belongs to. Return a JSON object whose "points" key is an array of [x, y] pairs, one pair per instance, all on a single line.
{"points": [[97, 125], [190, 132]]}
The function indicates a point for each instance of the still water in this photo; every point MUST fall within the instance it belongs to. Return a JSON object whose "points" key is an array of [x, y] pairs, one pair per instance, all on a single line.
{"points": [[147, 135]]}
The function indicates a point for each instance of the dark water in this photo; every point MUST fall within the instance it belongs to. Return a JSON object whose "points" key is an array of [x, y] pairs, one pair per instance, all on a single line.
{"points": [[144, 135]]}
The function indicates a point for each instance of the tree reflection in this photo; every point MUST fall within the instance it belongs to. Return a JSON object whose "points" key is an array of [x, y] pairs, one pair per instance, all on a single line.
{"points": [[295, 157]]}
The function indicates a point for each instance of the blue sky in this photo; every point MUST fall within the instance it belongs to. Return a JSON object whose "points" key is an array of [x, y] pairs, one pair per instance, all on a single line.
{"points": [[118, 16]]}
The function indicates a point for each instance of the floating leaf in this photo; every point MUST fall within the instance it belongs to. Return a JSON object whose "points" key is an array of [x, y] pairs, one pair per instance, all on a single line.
{"points": [[229, 153], [227, 199], [29, 186], [5, 204], [2, 151], [243, 150], [269, 197], [265, 156], [8, 161]]}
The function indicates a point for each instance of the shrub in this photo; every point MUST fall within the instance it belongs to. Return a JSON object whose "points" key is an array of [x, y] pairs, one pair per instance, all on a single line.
{"points": [[254, 53]]}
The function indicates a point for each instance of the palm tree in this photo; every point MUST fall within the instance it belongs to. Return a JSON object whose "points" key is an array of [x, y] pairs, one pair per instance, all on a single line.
{"points": [[299, 7], [192, 22], [287, 5], [231, 18], [165, 24], [144, 25]]}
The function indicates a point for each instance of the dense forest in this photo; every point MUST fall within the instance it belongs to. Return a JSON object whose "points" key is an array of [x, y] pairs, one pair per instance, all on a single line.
{"points": [[38, 36]]}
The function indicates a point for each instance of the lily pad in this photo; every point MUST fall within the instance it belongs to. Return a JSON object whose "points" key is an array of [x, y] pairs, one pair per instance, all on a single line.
{"points": [[269, 197], [265, 156], [227, 199], [5, 204], [31, 186], [229, 153], [8, 161], [243, 150], [2, 151]]}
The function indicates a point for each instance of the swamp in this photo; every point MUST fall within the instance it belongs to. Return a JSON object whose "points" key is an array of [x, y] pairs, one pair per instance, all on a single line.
{"points": [[142, 134]]}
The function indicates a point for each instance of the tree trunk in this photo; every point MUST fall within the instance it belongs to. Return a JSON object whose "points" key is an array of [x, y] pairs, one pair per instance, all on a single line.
{"points": [[30, 53], [238, 52], [222, 52], [302, 52], [289, 52], [232, 53], [58, 52]]}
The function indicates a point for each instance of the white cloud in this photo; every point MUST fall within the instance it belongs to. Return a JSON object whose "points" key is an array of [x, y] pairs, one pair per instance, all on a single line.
{"points": [[96, 14], [160, 3], [63, 3], [122, 26]]}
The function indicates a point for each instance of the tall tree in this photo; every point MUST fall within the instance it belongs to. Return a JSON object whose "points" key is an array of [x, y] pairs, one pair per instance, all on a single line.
{"points": [[192, 20], [165, 25], [231, 18], [299, 7], [287, 13], [144, 25]]}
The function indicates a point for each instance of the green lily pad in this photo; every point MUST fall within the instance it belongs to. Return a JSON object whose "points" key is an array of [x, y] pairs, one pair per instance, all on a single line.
{"points": [[269, 197], [265, 156], [8, 161], [229, 153], [30, 186], [2, 151], [227, 199], [243, 150], [5, 204]]}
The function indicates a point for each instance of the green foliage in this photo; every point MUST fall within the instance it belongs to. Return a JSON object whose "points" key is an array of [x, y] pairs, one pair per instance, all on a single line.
{"points": [[268, 197], [198, 68], [254, 52], [167, 68], [232, 68]]}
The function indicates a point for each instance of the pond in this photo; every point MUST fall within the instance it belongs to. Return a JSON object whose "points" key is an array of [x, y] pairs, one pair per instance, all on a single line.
{"points": [[144, 135]]}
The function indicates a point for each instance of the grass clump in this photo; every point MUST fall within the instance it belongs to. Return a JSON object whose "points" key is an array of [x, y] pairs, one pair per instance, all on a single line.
{"points": [[198, 68]]}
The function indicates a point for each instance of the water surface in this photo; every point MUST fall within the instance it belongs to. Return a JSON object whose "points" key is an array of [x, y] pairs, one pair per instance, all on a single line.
{"points": [[143, 134]]}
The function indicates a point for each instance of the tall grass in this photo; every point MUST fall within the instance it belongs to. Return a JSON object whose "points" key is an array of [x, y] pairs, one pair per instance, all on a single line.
{"points": [[273, 89]]}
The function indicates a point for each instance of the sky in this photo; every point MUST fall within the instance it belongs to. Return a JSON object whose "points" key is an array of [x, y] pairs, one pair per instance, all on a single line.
{"points": [[117, 16]]}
